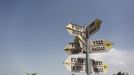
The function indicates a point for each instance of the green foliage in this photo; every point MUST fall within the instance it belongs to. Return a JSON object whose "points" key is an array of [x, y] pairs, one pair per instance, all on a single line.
{"points": [[31, 74], [34, 74], [121, 73]]}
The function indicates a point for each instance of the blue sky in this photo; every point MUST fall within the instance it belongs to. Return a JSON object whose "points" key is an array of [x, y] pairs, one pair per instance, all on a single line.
{"points": [[33, 35]]}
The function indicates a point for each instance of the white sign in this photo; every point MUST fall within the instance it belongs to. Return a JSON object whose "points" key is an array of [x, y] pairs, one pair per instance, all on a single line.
{"points": [[99, 67], [75, 30], [75, 27], [100, 46], [82, 42], [93, 27], [95, 46], [99, 49], [75, 64], [72, 48], [103, 42]]}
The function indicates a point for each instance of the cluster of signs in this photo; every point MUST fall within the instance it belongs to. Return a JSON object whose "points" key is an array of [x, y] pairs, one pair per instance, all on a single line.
{"points": [[77, 64]]}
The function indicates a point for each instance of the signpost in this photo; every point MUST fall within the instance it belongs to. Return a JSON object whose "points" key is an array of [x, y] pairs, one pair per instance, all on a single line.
{"points": [[82, 44], [91, 29], [74, 29]]}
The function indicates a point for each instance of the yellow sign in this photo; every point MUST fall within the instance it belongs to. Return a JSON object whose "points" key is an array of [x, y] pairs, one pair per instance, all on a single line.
{"points": [[93, 27], [105, 68]]}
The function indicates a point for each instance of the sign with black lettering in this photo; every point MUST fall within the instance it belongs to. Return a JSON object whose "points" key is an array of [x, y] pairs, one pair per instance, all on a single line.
{"points": [[98, 42], [76, 27], [98, 49], [101, 42], [77, 68], [75, 30], [93, 27], [100, 46], [75, 63], [97, 66], [73, 48]]}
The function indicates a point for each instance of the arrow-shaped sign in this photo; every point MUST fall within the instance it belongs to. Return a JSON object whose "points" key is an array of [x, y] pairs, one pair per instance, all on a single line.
{"points": [[101, 42], [73, 47], [75, 30], [100, 46], [75, 64], [93, 27]]}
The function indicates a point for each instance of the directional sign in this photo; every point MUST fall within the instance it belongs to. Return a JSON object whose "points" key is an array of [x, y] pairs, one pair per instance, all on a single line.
{"points": [[99, 66], [100, 46], [76, 27], [77, 64], [100, 69], [103, 42], [95, 46], [72, 48], [75, 30], [93, 27], [82, 42], [75, 47], [98, 49]]}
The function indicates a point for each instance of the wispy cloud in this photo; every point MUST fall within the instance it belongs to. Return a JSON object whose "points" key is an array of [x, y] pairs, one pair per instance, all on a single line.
{"points": [[118, 60]]}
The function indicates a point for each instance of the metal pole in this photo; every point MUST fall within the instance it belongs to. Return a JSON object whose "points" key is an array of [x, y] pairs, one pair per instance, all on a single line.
{"points": [[87, 58]]}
